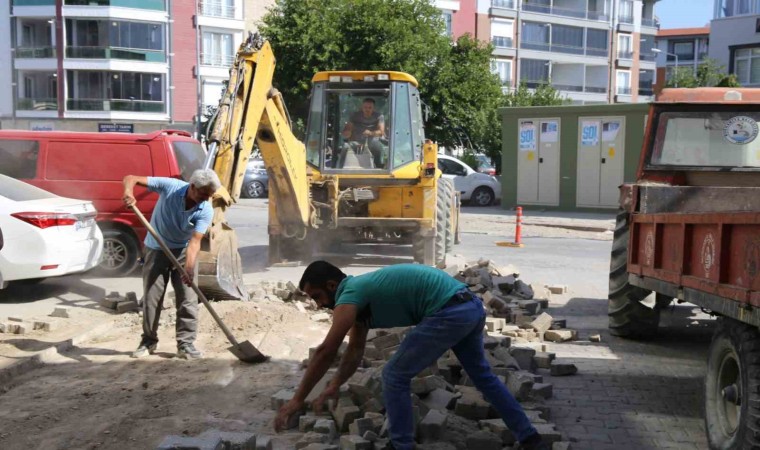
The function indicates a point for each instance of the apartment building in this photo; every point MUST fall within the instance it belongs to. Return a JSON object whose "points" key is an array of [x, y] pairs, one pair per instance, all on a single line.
{"points": [[735, 39], [679, 47], [592, 51], [115, 65]]}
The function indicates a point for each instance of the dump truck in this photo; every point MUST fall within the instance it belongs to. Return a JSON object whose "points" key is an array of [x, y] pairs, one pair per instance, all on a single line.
{"points": [[383, 186], [688, 230]]}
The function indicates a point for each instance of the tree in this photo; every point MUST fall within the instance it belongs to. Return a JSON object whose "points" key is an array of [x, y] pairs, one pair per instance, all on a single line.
{"points": [[709, 73], [542, 95], [404, 35]]}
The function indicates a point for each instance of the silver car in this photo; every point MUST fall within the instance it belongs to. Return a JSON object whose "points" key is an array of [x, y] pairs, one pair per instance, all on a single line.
{"points": [[256, 181]]}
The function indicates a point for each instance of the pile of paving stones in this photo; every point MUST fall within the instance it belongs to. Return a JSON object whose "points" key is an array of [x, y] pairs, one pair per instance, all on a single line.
{"points": [[120, 303], [450, 413]]}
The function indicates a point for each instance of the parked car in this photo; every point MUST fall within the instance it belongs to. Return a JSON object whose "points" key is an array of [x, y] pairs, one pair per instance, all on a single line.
{"points": [[45, 235], [477, 189], [91, 166], [485, 165], [256, 180]]}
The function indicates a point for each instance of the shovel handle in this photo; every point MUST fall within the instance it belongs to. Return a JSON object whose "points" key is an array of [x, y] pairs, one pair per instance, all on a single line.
{"points": [[183, 272]]}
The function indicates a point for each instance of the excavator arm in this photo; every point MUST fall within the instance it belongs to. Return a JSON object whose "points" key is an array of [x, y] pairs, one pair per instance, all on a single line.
{"points": [[251, 110]]}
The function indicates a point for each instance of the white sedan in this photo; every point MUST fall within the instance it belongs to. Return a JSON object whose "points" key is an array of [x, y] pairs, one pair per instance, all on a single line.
{"points": [[477, 188], [45, 235]]}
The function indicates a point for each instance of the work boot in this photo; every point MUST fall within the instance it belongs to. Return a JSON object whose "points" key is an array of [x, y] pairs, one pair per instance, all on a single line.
{"points": [[188, 351], [534, 442], [144, 349]]}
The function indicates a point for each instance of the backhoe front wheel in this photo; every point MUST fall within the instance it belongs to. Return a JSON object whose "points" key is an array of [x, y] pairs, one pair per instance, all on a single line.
{"points": [[628, 316], [732, 387]]}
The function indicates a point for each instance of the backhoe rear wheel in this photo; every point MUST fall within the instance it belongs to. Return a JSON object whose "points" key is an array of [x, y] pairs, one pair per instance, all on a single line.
{"points": [[732, 387], [628, 317], [449, 196], [436, 254]]}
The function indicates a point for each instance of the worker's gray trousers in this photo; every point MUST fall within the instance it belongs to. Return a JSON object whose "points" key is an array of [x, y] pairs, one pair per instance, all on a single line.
{"points": [[157, 270]]}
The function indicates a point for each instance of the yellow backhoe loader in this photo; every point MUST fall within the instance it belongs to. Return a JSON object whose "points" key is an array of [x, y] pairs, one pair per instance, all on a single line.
{"points": [[383, 186]]}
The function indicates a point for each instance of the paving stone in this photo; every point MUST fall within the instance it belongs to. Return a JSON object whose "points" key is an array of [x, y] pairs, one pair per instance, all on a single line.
{"points": [[548, 432], [191, 443], [370, 436], [505, 357], [532, 307], [559, 324], [542, 390], [440, 399], [126, 306], [542, 323], [23, 328], [361, 426], [520, 385], [558, 335], [494, 324], [352, 442], [483, 440], [344, 415], [557, 288], [109, 303], [264, 442], [312, 438], [321, 317], [233, 440], [306, 423], [499, 428], [60, 311], [561, 445], [377, 420], [544, 360], [44, 325], [595, 338], [425, 385], [524, 357], [280, 398], [315, 446], [472, 406], [560, 367], [432, 427]]}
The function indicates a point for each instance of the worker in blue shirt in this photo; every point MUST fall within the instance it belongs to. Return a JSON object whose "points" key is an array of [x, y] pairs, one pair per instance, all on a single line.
{"points": [[181, 217], [446, 315]]}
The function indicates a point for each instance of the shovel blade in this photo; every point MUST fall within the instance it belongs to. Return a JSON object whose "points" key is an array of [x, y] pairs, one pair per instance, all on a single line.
{"points": [[245, 351]]}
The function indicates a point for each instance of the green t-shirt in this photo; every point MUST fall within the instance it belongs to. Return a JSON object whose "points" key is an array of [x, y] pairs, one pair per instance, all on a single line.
{"points": [[398, 295]]}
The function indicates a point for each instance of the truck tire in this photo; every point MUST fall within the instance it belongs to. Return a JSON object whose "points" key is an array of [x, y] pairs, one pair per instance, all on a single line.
{"points": [[121, 253], [449, 196], [732, 387], [628, 317]]}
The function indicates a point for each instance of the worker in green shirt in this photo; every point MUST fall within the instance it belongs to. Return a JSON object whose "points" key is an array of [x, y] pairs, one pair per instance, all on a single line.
{"points": [[446, 316]]}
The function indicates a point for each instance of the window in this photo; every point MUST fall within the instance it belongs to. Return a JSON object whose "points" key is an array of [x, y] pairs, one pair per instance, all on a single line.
{"points": [[18, 159], [450, 167], [747, 66], [534, 70], [623, 82], [314, 133], [502, 32], [502, 68], [707, 139], [646, 80], [190, 157], [625, 46], [447, 19], [217, 49], [596, 42], [684, 50]]}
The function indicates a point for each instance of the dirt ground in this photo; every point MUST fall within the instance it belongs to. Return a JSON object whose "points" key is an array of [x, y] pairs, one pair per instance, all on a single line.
{"points": [[96, 396]]}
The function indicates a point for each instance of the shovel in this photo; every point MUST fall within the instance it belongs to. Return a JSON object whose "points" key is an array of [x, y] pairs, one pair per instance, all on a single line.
{"points": [[244, 351]]}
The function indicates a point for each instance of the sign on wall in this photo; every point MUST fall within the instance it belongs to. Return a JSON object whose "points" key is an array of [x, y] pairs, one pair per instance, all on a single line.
{"points": [[116, 128], [590, 133], [549, 131], [41, 126], [527, 136]]}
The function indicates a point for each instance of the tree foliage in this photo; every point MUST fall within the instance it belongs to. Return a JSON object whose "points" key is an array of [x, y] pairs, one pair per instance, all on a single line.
{"points": [[455, 81], [709, 73]]}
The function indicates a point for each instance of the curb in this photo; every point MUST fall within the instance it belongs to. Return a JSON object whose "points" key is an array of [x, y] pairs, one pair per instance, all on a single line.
{"points": [[28, 363], [569, 227]]}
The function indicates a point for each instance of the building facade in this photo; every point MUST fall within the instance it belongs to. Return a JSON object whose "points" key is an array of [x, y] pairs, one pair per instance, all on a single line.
{"points": [[680, 47], [126, 65], [592, 51], [735, 39]]}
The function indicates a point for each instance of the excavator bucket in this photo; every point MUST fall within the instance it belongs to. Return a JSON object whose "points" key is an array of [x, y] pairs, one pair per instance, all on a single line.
{"points": [[220, 272]]}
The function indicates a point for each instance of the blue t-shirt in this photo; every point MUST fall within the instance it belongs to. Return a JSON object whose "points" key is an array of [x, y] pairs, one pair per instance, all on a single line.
{"points": [[398, 295], [171, 220]]}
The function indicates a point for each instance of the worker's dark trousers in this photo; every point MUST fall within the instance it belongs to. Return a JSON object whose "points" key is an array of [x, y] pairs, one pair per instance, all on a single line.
{"points": [[157, 270]]}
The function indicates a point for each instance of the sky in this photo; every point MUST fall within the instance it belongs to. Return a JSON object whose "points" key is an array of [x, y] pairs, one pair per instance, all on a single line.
{"points": [[684, 13]]}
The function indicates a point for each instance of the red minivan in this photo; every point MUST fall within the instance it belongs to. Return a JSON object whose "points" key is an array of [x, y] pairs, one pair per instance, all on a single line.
{"points": [[91, 166]]}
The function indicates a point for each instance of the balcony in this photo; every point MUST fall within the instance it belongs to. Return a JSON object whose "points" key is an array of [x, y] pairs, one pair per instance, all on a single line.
{"points": [[568, 87], [156, 5], [113, 104], [33, 2], [623, 90], [625, 18], [217, 8], [652, 23], [217, 60], [682, 58], [131, 54], [648, 92], [37, 104], [647, 57], [559, 48], [508, 4], [625, 54], [35, 52], [502, 41], [565, 12]]}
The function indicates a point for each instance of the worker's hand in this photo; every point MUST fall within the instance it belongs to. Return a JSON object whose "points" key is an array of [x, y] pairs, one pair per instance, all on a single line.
{"points": [[129, 199], [287, 410], [368, 133], [187, 277], [330, 392]]}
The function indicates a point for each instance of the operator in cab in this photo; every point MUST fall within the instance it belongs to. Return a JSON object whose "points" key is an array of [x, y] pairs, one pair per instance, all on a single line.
{"points": [[365, 128]]}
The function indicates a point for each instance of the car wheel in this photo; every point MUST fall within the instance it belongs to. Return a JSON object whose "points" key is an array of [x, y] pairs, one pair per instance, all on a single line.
{"points": [[255, 189], [482, 196], [120, 253]]}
